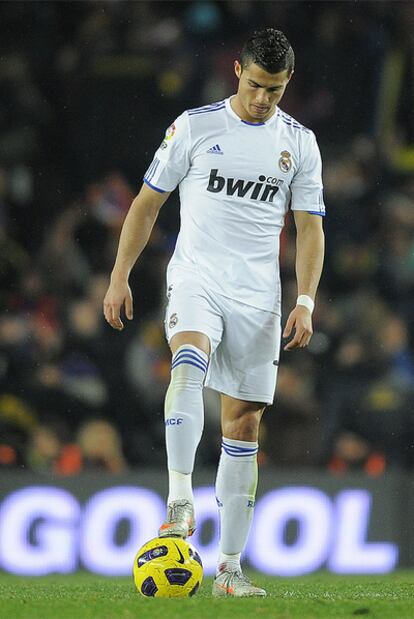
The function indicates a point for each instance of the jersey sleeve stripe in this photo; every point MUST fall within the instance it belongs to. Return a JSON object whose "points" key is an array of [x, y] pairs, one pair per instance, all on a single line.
{"points": [[291, 122], [152, 169], [148, 172], [214, 109], [207, 107]]}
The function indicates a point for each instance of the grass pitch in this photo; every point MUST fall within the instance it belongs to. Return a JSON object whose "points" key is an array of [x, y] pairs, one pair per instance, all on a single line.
{"points": [[321, 595]]}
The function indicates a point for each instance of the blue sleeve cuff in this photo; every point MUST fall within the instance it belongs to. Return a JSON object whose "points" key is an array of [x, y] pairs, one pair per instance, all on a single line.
{"points": [[153, 186]]}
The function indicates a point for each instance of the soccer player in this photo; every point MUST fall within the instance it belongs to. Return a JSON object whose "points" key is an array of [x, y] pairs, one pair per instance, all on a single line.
{"points": [[240, 164]]}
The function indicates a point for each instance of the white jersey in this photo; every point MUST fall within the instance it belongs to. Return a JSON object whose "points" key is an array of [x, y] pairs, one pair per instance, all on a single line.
{"points": [[236, 181]]}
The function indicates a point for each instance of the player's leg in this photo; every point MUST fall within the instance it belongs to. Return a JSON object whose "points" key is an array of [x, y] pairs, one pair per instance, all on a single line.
{"points": [[244, 367], [194, 328], [184, 420], [235, 492]]}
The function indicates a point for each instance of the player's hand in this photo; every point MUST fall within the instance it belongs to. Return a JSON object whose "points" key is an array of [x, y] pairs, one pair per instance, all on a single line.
{"points": [[299, 323], [118, 295]]}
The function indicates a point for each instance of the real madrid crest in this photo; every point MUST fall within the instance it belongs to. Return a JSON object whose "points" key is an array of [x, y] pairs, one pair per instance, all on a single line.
{"points": [[173, 321], [285, 161]]}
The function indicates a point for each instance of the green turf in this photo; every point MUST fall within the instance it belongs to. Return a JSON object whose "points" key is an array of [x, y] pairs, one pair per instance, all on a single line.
{"points": [[85, 596]]}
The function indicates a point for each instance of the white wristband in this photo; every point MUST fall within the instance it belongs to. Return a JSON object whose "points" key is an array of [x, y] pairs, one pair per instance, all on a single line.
{"points": [[306, 301]]}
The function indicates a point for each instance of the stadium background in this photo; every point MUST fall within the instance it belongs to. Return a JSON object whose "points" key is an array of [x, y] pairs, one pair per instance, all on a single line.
{"points": [[87, 90]]}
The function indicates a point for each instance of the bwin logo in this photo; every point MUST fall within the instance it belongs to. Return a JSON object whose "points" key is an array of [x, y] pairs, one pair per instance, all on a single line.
{"points": [[240, 187], [174, 421]]}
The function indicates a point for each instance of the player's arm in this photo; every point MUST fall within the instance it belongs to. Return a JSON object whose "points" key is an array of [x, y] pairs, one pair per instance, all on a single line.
{"points": [[310, 249], [135, 233]]}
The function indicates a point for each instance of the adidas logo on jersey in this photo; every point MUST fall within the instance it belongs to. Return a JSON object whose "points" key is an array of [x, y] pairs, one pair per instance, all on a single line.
{"points": [[215, 150], [262, 191]]}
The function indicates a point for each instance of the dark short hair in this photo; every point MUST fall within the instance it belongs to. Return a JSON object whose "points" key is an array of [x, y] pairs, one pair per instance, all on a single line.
{"points": [[270, 49]]}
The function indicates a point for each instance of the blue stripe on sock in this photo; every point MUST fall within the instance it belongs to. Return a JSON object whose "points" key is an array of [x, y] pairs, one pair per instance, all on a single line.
{"points": [[239, 452], [187, 351], [184, 355], [196, 365], [188, 359], [238, 448], [239, 455], [193, 352]]}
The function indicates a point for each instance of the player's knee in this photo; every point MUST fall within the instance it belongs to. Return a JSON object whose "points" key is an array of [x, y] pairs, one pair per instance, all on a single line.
{"points": [[188, 369], [194, 339], [243, 427]]}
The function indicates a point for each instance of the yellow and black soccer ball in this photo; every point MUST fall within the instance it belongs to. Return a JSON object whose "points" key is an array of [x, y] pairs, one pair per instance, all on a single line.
{"points": [[167, 567]]}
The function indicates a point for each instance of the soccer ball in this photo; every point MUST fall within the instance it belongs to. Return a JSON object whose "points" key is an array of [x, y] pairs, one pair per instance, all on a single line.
{"points": [[167, 567]]}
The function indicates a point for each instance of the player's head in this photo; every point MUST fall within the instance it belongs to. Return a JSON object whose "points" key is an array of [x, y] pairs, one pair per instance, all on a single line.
{"points": [[265, 67], [270, 50]]}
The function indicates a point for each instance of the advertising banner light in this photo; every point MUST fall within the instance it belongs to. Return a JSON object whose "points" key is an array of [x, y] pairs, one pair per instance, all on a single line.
{"points": [[45, 529]]}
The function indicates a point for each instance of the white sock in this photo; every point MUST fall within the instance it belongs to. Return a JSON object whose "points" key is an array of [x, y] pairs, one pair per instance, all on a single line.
{"points": [[184, 416], [230, 563], [180, 486], [236, 484]]}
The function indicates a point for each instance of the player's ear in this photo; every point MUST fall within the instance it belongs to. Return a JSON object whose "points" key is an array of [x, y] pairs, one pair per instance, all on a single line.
{"points": [[237, 68]]}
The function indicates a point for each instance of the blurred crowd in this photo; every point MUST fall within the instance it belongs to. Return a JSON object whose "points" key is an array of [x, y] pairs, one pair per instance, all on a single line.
{"points": [[86, 92]]}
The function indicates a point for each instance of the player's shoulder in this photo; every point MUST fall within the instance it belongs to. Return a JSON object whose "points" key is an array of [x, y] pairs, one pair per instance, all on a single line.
{"points": [[195, 123], [294, 125], [209, 108], [206, 118]]}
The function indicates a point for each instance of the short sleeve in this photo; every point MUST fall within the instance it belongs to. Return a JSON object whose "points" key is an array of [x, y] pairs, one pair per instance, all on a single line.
{"points": [[172, 159], [306, 186]]}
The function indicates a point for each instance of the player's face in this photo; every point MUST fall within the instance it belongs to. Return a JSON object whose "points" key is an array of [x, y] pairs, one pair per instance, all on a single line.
{"points": [[259, 91]]}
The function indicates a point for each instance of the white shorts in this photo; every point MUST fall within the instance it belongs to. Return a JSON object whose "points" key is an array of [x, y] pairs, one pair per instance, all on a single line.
{"points": [[244, 340]]}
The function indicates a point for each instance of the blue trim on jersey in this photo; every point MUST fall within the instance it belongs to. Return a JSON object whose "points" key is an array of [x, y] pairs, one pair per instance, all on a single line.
{"points": [[153, 186], [291, 122], [321, 213], [201, 111], [150, 173], [252, 124], [196, 365], [155, 169], [294, 125], [208, 106]]}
